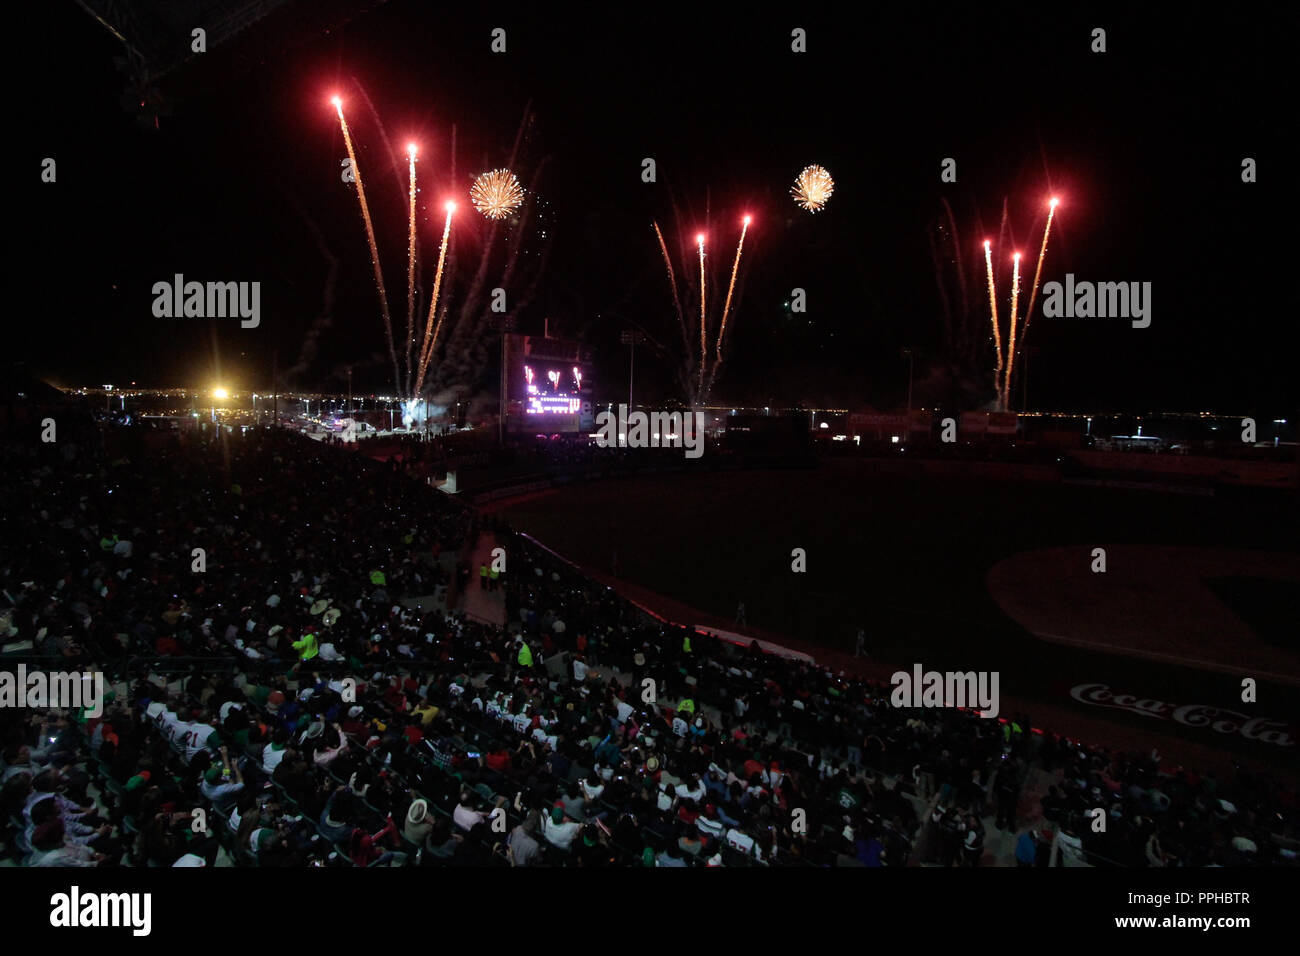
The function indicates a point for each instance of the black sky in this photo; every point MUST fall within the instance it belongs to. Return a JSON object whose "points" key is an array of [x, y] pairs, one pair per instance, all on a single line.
{"points": [[1144, 143]]}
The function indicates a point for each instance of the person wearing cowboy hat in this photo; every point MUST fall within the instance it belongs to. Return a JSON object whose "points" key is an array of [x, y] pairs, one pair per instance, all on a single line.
{"points": [[419, 823]]}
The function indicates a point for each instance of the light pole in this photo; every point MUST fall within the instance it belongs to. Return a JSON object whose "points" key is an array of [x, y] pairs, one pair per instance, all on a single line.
{"points": [[909, 354], [631, 338], [507, 326]]}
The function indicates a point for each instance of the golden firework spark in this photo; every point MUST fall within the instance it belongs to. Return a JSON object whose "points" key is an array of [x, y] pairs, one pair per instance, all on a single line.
{"points": [[497, 194], [370, 230], [735, 267], [1011, 338], [813, 188], [431, 330], [993, 307], [700, 239], [411, 151], [1038, 271]]}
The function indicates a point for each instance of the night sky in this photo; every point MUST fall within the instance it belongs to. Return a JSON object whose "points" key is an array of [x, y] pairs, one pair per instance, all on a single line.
{"points": [[1143, 144]]}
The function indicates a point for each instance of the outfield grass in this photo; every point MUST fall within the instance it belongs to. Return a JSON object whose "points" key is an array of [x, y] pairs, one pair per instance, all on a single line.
{"points": [[906, 557]]}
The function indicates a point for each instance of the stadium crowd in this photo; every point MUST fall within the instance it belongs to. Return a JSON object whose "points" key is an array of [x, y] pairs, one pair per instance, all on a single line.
{"points": [[280, 699]]}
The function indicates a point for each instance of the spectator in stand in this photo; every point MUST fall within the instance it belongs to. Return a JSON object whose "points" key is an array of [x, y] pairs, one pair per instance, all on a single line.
{"points": [[402, 734], [524, 850], [559, 832]]}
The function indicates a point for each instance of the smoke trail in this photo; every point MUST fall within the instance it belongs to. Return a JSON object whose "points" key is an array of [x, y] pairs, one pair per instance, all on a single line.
{"points": [[959, 253], [325, 319]]}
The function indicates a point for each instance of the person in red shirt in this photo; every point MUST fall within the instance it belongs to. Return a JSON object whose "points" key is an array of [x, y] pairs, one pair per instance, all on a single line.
{"points": [[499, 760], [364, 850], [356, 725], [688, 812], [394, 697]]}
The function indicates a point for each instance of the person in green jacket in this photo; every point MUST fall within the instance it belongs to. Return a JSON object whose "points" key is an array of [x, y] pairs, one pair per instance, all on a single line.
{"points": [[525, 655], [307, 648]]}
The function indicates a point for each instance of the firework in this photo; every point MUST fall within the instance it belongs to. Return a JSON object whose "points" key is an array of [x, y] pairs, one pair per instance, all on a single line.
{"points": [[1011, 335], [432, 339], [672, 282], [703, 347], [370, 233], [1038, 270], [813, 188], [993, 306], [735, 266], [411, 150], [497, 194]]}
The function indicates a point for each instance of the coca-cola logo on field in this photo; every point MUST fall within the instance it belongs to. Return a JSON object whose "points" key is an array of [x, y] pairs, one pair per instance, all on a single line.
{"points": [[1224, 721]]}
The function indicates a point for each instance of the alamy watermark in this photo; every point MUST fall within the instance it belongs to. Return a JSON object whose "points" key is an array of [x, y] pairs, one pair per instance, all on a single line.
{"points": [[211, 300], [1098, 300], [65, 690], [76, 909], [950, 689], [652, 430]]}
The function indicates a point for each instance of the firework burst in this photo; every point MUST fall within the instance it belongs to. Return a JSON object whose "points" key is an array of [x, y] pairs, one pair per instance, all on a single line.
{"points": [[813, 188], [497, 194]]}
